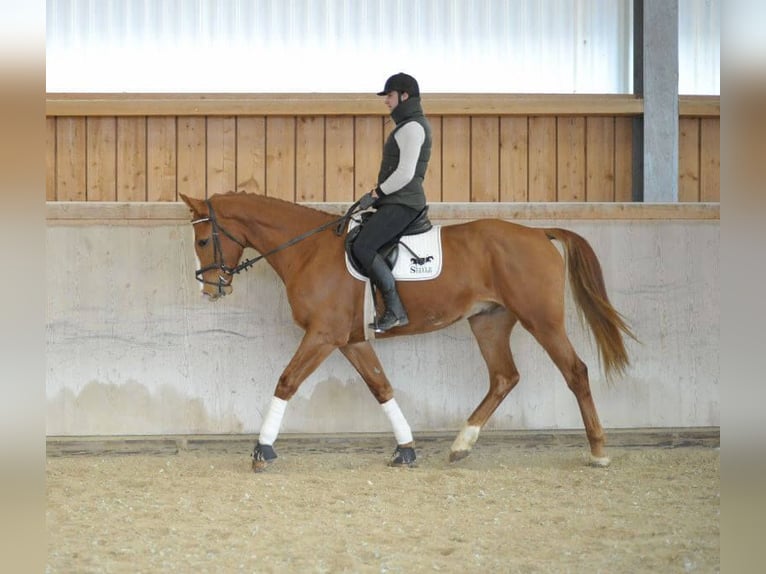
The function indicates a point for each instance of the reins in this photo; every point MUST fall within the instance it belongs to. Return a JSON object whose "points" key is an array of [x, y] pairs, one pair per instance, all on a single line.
{"points": [[220, 264]]}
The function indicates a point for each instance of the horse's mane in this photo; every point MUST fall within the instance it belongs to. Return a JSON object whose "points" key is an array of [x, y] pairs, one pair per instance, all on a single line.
{"points": [[318, 213]]}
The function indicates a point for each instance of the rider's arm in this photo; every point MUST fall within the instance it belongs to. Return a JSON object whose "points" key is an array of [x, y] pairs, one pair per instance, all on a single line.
{"points": [[409, 138]]}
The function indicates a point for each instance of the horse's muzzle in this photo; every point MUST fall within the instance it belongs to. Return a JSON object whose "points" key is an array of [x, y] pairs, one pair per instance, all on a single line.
{"points": [[215, 294], [214, 291]]}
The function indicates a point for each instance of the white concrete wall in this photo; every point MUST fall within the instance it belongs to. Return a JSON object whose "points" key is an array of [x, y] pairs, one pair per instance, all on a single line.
{"points": [[133, 349]]}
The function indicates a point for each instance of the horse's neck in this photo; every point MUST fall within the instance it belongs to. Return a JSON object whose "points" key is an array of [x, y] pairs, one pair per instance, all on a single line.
{"points": [[270, 223]]}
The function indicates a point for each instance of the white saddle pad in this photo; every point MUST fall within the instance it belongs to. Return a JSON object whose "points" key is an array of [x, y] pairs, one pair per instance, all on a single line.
{"points": [[426, 246]]}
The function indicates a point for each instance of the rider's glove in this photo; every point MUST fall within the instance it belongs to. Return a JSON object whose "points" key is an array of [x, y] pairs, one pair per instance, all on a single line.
{"points": [[366, 200]]}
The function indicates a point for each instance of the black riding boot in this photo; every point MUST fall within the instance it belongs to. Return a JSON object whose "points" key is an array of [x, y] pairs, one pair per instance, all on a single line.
{"points": [[395, 314]]}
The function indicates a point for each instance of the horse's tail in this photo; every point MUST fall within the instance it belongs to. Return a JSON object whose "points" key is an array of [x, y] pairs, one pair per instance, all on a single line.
{"points": [[587, 282]]}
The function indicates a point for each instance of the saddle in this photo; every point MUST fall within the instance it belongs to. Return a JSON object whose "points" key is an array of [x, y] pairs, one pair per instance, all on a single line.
{"points": [[390, 250]]}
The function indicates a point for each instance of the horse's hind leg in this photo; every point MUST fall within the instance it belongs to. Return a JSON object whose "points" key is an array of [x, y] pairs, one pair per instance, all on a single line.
{"points": [[492, 330], [365, 361], [553, 337]]}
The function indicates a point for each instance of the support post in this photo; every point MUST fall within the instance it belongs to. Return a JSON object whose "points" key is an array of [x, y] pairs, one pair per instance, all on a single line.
{"points": [[660, 90]]}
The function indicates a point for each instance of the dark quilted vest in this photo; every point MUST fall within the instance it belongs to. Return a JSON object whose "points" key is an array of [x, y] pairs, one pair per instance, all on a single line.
{"points": [[412, 194]]}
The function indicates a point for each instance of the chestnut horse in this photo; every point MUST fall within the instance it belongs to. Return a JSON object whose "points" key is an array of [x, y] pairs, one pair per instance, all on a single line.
{"points": [[495, 274]]}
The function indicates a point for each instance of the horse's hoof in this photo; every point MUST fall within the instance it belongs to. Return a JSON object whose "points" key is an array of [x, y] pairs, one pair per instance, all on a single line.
{"points": [[403, 456], [457, 455], [263, 455], [599, 461]]}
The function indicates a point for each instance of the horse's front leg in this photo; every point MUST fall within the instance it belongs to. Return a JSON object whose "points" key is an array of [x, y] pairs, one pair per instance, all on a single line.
{"points": [[314, 349], [365, 361]]}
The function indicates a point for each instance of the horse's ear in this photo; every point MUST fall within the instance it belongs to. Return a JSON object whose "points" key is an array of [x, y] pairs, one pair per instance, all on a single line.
{"points": [[196, 205]]}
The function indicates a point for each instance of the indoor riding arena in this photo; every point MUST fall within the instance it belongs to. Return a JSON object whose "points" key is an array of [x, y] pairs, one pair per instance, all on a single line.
{"points": [[155, 396]]}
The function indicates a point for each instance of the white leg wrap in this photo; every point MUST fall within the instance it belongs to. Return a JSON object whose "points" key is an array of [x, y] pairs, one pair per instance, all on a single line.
{"points": [[466, 438], [402, 430], [272, 421]]}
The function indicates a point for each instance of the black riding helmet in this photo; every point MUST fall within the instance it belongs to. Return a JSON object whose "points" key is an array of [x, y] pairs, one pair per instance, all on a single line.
{"points": [[401, 82]]}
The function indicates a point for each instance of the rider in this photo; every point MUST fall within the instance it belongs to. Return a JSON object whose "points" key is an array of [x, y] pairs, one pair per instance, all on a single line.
{"points": [[399, 193]]}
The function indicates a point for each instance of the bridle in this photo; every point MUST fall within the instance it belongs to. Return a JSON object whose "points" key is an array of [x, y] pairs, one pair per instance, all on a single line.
{"points": [[218, 261], [220, 264]]}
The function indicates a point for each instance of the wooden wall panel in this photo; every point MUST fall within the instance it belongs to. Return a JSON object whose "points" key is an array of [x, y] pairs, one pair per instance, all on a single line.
{"points": [[310, 158], [251, 154], [71, 173], [161, 159], [485, 158], [599, 139], [280, 157], [710, 159], [506, 151], [339, 158], [433, 180], [192, 168], [101, 141], [221, 154], [623, 159], [571, 159], [542, 158], [456, 159], [131, 159], [50, 159], [514, 159], [688, 159], [368, 146]]}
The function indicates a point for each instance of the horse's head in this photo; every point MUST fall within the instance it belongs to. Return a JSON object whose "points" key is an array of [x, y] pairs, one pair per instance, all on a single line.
{"points": [[217, 250]]}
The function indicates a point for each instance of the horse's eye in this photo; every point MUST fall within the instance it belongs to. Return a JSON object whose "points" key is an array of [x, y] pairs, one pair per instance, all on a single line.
{"points": [[202, 242]]}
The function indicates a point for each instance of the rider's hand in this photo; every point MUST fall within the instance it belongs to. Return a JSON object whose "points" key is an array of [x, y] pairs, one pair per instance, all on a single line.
{"points": [[367, 200]]}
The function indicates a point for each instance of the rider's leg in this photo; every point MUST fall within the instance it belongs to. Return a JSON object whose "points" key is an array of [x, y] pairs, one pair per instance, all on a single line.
{"points": [[395, 314], [388, 222]]}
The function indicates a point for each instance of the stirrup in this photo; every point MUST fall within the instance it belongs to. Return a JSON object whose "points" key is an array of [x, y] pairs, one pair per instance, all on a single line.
{"points": [[388, 321]]}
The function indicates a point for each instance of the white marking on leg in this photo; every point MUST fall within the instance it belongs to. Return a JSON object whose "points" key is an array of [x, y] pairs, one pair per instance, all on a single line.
{"points": [[402, 430], [272, 421], [600, 461], [466, 438]]}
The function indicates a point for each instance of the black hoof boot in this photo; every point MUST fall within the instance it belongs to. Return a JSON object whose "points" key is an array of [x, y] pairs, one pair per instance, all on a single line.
{"points": [[403, 456], [263, 454]]}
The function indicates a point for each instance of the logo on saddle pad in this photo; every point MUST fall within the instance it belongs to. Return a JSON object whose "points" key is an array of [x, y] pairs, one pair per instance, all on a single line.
{"points": [[414, 258]]}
